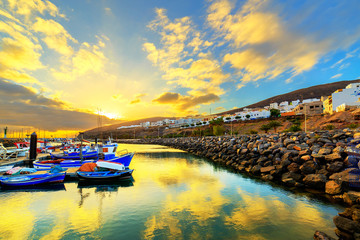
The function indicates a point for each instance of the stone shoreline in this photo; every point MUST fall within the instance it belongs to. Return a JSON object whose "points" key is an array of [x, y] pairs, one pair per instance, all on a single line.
{"points": [[319, 161]]}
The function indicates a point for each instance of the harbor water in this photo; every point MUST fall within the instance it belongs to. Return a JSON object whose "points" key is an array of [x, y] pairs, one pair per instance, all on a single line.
{"points": [[173, 195]]}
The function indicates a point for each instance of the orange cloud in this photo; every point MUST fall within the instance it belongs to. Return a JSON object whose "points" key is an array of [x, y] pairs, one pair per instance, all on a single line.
{"points": [[185, 103]]}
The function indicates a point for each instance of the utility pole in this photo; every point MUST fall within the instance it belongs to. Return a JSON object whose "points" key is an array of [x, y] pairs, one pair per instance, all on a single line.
{"points": [[305, 116]]}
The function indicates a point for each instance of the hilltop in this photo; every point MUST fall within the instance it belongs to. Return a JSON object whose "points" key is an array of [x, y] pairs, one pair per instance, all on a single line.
{"points": [[305, 93]]}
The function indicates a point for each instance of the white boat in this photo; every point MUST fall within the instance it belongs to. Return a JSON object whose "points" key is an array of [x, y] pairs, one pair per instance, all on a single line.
{"points": [[110, 165]]}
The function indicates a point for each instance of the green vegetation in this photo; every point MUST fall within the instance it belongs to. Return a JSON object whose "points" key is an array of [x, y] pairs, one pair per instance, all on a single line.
{"points": [[265, 128], [218, 121], [275, 112], [295, 128], [253, 131], [329, 127], [218, 130], [274, 124], [353, 125]]}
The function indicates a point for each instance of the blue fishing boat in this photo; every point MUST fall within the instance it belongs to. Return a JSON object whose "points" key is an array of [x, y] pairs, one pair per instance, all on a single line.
{"points": [[76, 156], [124, 159], [30, 180], [105, 175]]}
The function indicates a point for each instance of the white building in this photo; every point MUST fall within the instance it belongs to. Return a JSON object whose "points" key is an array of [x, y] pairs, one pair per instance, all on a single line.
{"points": [[274, 105], [348, 96]]}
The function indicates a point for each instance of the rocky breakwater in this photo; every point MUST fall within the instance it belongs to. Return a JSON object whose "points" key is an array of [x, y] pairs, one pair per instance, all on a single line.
{"points": [[318, 160]]}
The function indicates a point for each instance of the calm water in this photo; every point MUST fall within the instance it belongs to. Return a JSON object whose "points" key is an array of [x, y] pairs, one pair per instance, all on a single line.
{"points": [[173, 195]]}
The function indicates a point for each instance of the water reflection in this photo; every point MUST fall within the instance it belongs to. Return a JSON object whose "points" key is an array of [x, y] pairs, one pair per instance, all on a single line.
{"points": [[175, 196]]}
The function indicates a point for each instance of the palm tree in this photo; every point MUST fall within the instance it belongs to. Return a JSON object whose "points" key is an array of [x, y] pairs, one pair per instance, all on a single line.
{"points": [[274, 124]]}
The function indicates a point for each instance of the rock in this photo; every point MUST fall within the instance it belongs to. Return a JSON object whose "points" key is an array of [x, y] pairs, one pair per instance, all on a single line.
{"points": [[342, 176], [335, 167], [324, 151], [356, 215], [287, 141], [267, 177], [296, 147], [315, 180], [308, 167], [346, 224], [267, 169], [255, 169], [318, 156], [297, 177], [351, 197], [343, 235], [306, 158], [333, 157], [293, 167], [347, 213], [324, 140], [333, 187], [322, 236], [304, 152], [289, 181]]}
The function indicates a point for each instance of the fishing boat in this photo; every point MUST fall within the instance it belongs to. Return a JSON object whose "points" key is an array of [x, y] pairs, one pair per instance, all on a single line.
{"points": [[76, 155], [105, 175], [30, 180], [124, 159]]}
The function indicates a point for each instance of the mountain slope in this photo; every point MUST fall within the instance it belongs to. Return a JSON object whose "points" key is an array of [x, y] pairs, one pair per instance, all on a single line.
{"points": [[301, 94]]}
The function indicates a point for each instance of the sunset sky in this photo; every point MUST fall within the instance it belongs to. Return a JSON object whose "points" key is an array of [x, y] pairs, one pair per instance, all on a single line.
{"points": [[62, 61]]}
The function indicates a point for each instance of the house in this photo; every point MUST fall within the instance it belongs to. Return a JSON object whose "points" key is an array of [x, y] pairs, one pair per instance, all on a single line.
{"points": [[310, 108]]}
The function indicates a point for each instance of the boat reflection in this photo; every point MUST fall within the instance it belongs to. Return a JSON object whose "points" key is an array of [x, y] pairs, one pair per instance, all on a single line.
{"points": [[39, 188], [106, 186]]}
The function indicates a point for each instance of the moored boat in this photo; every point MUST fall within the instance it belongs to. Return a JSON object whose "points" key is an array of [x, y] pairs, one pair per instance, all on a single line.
{"points": [[105, 175], [124, 159], [30, 180]]}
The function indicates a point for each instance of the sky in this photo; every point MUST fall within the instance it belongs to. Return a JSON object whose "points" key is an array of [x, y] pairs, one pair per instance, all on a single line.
{"points": [[62, 63]]}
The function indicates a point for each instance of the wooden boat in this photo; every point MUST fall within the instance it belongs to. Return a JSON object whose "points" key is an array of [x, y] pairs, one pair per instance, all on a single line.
{"points": [[30, 180], [105, 175]]}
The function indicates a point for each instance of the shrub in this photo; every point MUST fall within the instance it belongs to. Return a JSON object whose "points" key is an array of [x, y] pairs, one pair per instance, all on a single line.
{"points": [[295, 128], [353, 125], [218, 130], [253, 131], [329, 127]]}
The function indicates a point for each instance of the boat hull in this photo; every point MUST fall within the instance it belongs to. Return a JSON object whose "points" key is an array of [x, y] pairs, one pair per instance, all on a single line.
{"points": [[105, 175], [124, 159], [91, 155], [30, 180]]}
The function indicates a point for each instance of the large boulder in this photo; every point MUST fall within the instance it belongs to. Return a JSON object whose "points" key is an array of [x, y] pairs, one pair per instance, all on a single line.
{"points": [[315, 181], [335, 167], [308, 167], [333, 187], [333, 157], [346, 225]]}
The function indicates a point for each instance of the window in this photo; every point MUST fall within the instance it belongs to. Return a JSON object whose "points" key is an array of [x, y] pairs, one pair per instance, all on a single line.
{"points": [[301, 108], [311, 107]]}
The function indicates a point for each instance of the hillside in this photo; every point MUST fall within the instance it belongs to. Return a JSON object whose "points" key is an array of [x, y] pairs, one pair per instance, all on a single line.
{"points": [[304, 93], [127, 123]]}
